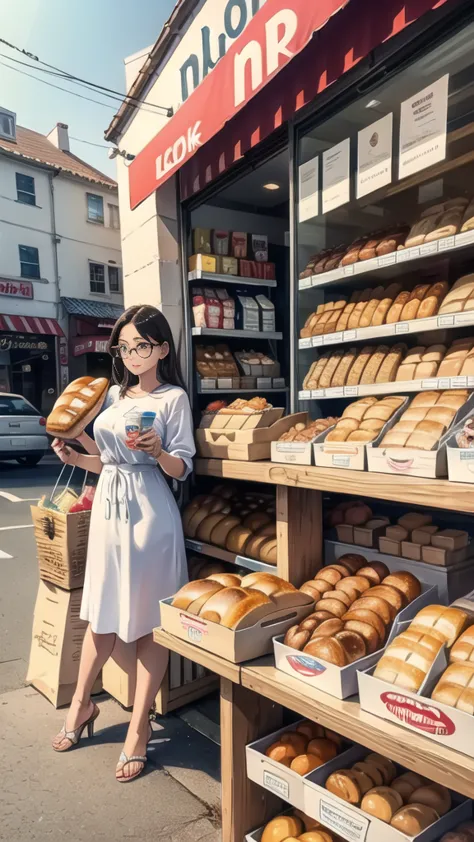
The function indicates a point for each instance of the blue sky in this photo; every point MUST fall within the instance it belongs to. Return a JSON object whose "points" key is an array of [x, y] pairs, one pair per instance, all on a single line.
{"points": [[88, 38]]}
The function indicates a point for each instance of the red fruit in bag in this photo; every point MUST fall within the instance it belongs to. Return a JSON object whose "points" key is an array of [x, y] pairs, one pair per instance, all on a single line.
{"points": [[84, 503]]}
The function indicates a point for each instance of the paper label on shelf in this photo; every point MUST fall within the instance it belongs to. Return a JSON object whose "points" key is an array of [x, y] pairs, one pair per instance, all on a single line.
{"points": [[387, 260], [318, 393], [457, 383], [346, 823], [444, 383], [351, 391], [465, 238], [304, 283], [305, 343], [408, 254], [445, 321], [430, 383], [336, 176], [349, 335], [341, 461], [308, 189], [429, 248], [402, 327], [337, 392], [446, 243], [464, 318], [304, 396], [348, 270], [374, 156], [290, 447], [317, 341], [333, 338], [423, 124], [276, 785]]}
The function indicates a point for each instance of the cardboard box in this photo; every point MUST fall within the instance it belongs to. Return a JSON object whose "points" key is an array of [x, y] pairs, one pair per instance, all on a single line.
{"points": [[341, 681], [292, 452], [278, 778], [61, 545], [240, 421], [247, 445], [256, 369], [241, 645], [56, 644], [227, 266], [202, 263], [202, 240], [267, 313]]}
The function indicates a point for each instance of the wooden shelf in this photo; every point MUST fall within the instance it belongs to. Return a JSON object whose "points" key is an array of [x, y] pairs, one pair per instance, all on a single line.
{"points": [[214, 663], [432, 493], [418, 753], [230, 558]]}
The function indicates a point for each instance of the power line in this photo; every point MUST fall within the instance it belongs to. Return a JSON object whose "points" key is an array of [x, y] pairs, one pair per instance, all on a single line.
{"points": [[131, 100], [89, 142]]}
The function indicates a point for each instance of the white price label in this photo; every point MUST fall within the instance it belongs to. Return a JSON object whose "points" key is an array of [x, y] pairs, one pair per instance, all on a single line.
{"points": [[387, 260], [349, 335], [444, 383], [305, 343], [317, 341], [458, 383], [304, 396], [407, 254], [402, 327], [467, 456], [305, 283], [446, 243], [348, 270], [318, 393], [445, 321], [344, 821], [333, 338], [430, 384], [351, 391], [429, 248], [341, 461], [464, 318], [337, 392], [276, 784], [465, 239]]}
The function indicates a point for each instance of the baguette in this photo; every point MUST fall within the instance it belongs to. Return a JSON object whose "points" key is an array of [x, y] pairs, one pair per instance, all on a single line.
{"points": [[372, 368], [388, 370], [396, 309], [371, 306], [357, 370], [78, 405], [432, 300], [329, 370], [412, 306]]}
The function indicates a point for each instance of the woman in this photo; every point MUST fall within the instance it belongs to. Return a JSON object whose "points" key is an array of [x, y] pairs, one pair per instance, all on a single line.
{"points": [[136, 549]]}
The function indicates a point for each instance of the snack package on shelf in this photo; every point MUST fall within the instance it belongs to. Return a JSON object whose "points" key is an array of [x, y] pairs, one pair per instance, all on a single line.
{"points": [[220, 242], [202, 263], [202, 241], [213, 361], [213, 308]]}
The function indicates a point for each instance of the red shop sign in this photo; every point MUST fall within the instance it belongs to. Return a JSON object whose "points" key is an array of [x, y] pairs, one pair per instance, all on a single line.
{"points": [[278, 32], [16, 289]]}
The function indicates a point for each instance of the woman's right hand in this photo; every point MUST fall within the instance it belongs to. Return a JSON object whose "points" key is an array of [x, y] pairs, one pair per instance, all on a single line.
{"points": [[64, 453]]}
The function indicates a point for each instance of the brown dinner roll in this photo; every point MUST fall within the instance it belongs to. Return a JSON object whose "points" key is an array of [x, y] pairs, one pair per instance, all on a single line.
{"points": [[344, 571], [336, 738], [297, 638], [327, 649], [323, 615], [340, 595], [382, 802], [309, 729], [386, 766], [394, 598], [414, 818], [281, 827], [328, 628], [308, 822], [367, 616], [405, 582], [375, 572], [371, 770], [323, 748], [432, 795], [376, 604], [316, 835], [305, 763], [406, 784], [329, 574], [334, 606], [345, 784], [353, 643], [316, 588], [309, 623], [359, 583], [353, 561], [296, 740], [281, 752], [371, 636], [364, 781]]}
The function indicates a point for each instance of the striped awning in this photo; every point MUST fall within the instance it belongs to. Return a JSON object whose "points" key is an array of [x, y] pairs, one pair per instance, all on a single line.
{"points": [[30, 324]]}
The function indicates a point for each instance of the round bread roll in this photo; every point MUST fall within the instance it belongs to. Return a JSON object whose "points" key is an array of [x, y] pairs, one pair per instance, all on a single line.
{"points": [[220, 532], [227, 580], [296, 637], [193, 591], [353, 643], [358, 583], [268, 552], [281, 752], [345, 784], [323, 748], [367, 616], [329, 574], [305, 763], [308, 822], [414, 818], [216, 607], [309, 623], [433, 795], [203, 512], [254, 545], [317, 835], [309, 729], [256, 521], [204, 530], [371, 770], [323, 615], [334, 606], [328, 628], [316, 588], [382, 802], [375, 572], [405, 582], [371, 636], [298, 741], [281, 828], [394, 598], [340, 595], [406, 784], [364, 781], [375, 604], [344, 571], [352, 561], [386, 766], [327, 649], [358, 514]]}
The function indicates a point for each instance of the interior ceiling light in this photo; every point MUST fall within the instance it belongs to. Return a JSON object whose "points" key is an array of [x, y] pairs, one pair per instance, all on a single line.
{"points": [[271, 186], [374, 103]]}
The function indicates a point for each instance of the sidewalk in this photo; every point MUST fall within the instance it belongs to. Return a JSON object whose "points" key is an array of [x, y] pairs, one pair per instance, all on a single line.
{"points": [[48, 797]]}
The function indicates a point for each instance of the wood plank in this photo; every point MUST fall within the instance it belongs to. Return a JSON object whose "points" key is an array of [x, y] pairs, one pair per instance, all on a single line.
{"points": [[414, 751], [190, 692], [214, 663], [299, 533], [433, 493], [245, 716]]}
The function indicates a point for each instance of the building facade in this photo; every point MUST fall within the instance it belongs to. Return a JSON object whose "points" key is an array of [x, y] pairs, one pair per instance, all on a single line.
{"points": [[60, 263]]}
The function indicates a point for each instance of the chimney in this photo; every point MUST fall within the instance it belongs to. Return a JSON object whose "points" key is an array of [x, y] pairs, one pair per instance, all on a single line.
{"points": [[59, 137]]}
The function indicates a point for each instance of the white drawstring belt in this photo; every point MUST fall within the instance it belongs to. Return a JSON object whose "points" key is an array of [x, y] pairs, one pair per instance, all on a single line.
{"points": [[114, 487]]}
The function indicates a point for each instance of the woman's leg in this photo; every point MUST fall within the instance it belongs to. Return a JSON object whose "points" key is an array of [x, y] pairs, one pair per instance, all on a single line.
{"points": [[96, 650], [152, 661]]}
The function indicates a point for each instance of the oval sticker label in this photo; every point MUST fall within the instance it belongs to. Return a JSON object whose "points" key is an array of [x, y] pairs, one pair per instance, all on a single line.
{"points": [[419, 715], [305, 665]]}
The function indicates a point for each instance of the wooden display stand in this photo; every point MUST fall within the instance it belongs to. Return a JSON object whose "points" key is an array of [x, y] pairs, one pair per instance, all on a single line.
{"points": [[253, 695]]}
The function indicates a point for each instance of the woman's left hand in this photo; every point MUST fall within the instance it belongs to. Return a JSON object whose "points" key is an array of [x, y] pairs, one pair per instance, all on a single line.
{"points": [[150, 443]]}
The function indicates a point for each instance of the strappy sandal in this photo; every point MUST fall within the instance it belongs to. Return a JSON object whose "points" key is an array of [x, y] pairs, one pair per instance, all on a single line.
{"points": [[135, 758], [75, 736]]}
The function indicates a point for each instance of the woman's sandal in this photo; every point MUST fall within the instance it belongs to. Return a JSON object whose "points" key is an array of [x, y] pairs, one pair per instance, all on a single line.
{"points": [[124, 760], [75, 736]]}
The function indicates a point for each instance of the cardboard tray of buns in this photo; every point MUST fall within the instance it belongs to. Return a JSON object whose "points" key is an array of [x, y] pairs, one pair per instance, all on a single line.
{"points": [[249, 443], [341, 682], [350, 455], [234, 645], [407, 461], [418, 711], [354, 825], [241, 421], [281, 780]]}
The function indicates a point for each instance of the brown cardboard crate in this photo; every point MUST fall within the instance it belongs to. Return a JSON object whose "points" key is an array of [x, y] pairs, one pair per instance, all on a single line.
{"points": [[61, 542], [247, 445]]}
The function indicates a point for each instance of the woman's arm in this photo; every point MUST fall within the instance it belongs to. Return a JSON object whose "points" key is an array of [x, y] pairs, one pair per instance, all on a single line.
{"points": [[88, 444], [172, 465], [71, 457]]}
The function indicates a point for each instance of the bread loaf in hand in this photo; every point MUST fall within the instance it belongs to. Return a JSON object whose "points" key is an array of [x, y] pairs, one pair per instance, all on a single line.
{"points": [[78, 405]]}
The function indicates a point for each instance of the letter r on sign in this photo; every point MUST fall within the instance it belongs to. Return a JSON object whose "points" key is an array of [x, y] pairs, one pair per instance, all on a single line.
{"points": [[277, 45]]}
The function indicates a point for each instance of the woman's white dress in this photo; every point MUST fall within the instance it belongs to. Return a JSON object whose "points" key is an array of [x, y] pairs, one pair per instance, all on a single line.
{"points": [[136, 550]]}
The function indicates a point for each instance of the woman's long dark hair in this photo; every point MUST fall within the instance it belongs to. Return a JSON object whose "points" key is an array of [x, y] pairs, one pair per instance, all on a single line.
{"points": [[153, 326]]}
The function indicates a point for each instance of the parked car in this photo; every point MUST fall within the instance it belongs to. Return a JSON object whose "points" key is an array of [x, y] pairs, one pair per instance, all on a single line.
{"points": [[22, 430]]}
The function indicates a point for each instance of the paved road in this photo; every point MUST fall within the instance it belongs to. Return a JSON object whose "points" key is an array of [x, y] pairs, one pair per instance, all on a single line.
{"points": [[19, 487]]}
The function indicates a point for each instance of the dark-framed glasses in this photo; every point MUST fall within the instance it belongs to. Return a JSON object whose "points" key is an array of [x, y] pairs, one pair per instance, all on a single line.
{"points": [[143, 350]]}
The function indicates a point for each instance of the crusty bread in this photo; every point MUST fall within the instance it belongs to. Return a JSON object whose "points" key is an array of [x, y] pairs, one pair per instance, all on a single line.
{"points": [[193, 591], [388, 370], [358, 366], [432, 300], [339, 377], [396, 309], [78, 405], [410, 310], [372, 368]]}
